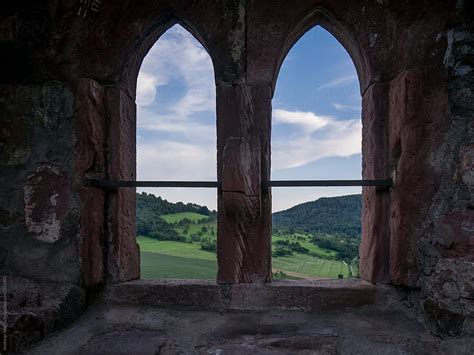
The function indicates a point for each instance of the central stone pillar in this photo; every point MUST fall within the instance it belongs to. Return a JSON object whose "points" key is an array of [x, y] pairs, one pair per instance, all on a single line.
{"points": [[243, 162]]}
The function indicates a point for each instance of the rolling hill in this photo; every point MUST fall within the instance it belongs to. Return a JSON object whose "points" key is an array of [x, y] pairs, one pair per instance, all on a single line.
{"points": [[331, 215], [314, 239], [152, 212]]}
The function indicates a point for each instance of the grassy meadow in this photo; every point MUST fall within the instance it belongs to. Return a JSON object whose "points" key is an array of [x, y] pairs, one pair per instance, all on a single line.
{"points": [[186, 260]]}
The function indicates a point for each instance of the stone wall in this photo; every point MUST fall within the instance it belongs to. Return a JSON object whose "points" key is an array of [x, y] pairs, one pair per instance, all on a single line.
{"points": [[67, 113], [446, 260]]}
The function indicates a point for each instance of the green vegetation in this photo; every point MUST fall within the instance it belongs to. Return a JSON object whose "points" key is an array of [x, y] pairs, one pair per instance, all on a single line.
{"points": [[181, 243], [177, 217], [346, 249], [331, 215], [153, 211]]}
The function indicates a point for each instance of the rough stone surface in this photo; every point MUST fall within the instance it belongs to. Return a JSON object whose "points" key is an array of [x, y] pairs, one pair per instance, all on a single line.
{"points": [[123, 261], [375, 245], [244, 226], [90, 164], [203, 294], [38, 204], [67, 111], [36, 310], [466, 165], [114, 329], [46, 203], [447, 283], [418, 116]]}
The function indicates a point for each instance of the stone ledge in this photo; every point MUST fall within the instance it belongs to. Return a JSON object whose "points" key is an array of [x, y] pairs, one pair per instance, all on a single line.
{"points": [[207, 295]]}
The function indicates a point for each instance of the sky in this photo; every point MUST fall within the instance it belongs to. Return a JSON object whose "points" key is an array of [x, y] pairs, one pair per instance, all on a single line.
{"points": [[316, 125]]}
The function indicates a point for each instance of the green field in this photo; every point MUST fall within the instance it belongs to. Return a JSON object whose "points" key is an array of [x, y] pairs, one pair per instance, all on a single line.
{"points": [[312, 240], [169, 259], [175, 260], [306, 266], [184, 250], [161, 266]]}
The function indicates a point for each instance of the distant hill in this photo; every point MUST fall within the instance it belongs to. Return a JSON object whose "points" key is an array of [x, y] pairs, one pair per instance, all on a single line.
{"points": [[331, 215], [341, 215], [160, 206], [150, 209]]}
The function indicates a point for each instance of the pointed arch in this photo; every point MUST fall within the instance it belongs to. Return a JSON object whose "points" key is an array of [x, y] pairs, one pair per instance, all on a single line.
{"points": [[314, 138], [141, 49], [176, 123], [375, 245], [322, 17]]}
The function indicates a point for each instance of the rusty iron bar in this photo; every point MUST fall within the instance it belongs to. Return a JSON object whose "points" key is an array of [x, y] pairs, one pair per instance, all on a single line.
{"points": [[119, 184], [387, 183]]}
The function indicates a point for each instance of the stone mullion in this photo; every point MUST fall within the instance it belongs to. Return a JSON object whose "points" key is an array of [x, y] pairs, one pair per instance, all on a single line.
{"points": [[244, 253], [375, 243], [123, 259]]}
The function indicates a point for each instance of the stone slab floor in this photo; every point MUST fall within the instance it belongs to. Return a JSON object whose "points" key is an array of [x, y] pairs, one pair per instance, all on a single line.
{"points": [[122, 329]]}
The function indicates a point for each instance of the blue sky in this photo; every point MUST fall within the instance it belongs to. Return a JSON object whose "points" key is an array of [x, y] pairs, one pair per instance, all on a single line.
{"points": [[316, 131]]}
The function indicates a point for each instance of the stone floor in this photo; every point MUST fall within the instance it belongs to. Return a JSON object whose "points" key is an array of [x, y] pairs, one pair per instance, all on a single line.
{"points": [[132, 329]]}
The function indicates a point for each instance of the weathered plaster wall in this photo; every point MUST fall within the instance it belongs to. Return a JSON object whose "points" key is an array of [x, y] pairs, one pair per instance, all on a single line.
{"points": [[67, 86], [39, 205]]}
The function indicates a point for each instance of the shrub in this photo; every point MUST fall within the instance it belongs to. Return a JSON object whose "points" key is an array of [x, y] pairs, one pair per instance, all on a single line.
{"points": [[281, 251], [279, 275], [209, 245]]}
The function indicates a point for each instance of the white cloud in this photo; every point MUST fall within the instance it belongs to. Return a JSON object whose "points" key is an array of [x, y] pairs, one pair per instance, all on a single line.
{"points": [[146, 89], [188, 150], [319, 137], [308, 120], [174, 143], [340, 81], [283, 198], [172, 160]]}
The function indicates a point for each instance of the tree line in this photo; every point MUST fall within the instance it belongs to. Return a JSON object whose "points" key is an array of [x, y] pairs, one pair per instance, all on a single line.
{"points": [[332, 215]]}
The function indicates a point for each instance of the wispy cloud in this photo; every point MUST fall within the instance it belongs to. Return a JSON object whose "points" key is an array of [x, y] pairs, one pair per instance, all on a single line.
{"points": [[342, 107], [172, 160], [339, 81], [177, 57], [307, 120], [178, 67], [317, 137], [193, 130], [176, 143]]}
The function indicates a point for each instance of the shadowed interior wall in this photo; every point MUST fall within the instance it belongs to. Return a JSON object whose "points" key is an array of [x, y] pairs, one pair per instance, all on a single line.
{"points": [[67, 109]]}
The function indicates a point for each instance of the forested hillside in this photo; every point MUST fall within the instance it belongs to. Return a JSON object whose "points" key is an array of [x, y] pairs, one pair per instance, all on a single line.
{"points": [[332, 215], [150, 209], [314, 239]]}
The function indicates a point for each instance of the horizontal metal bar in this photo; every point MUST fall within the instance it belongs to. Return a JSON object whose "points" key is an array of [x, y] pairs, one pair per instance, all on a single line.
{"points": [[115, 184], [302, 183], [215, 184]]}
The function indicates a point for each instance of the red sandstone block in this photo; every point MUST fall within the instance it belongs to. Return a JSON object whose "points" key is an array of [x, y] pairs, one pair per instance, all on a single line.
{"points": [[90, 130]]}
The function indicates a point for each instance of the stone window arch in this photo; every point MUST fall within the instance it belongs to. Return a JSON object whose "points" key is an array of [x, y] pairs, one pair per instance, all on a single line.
{"points": [[375, 244], [317, 134], [246, 66]]}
